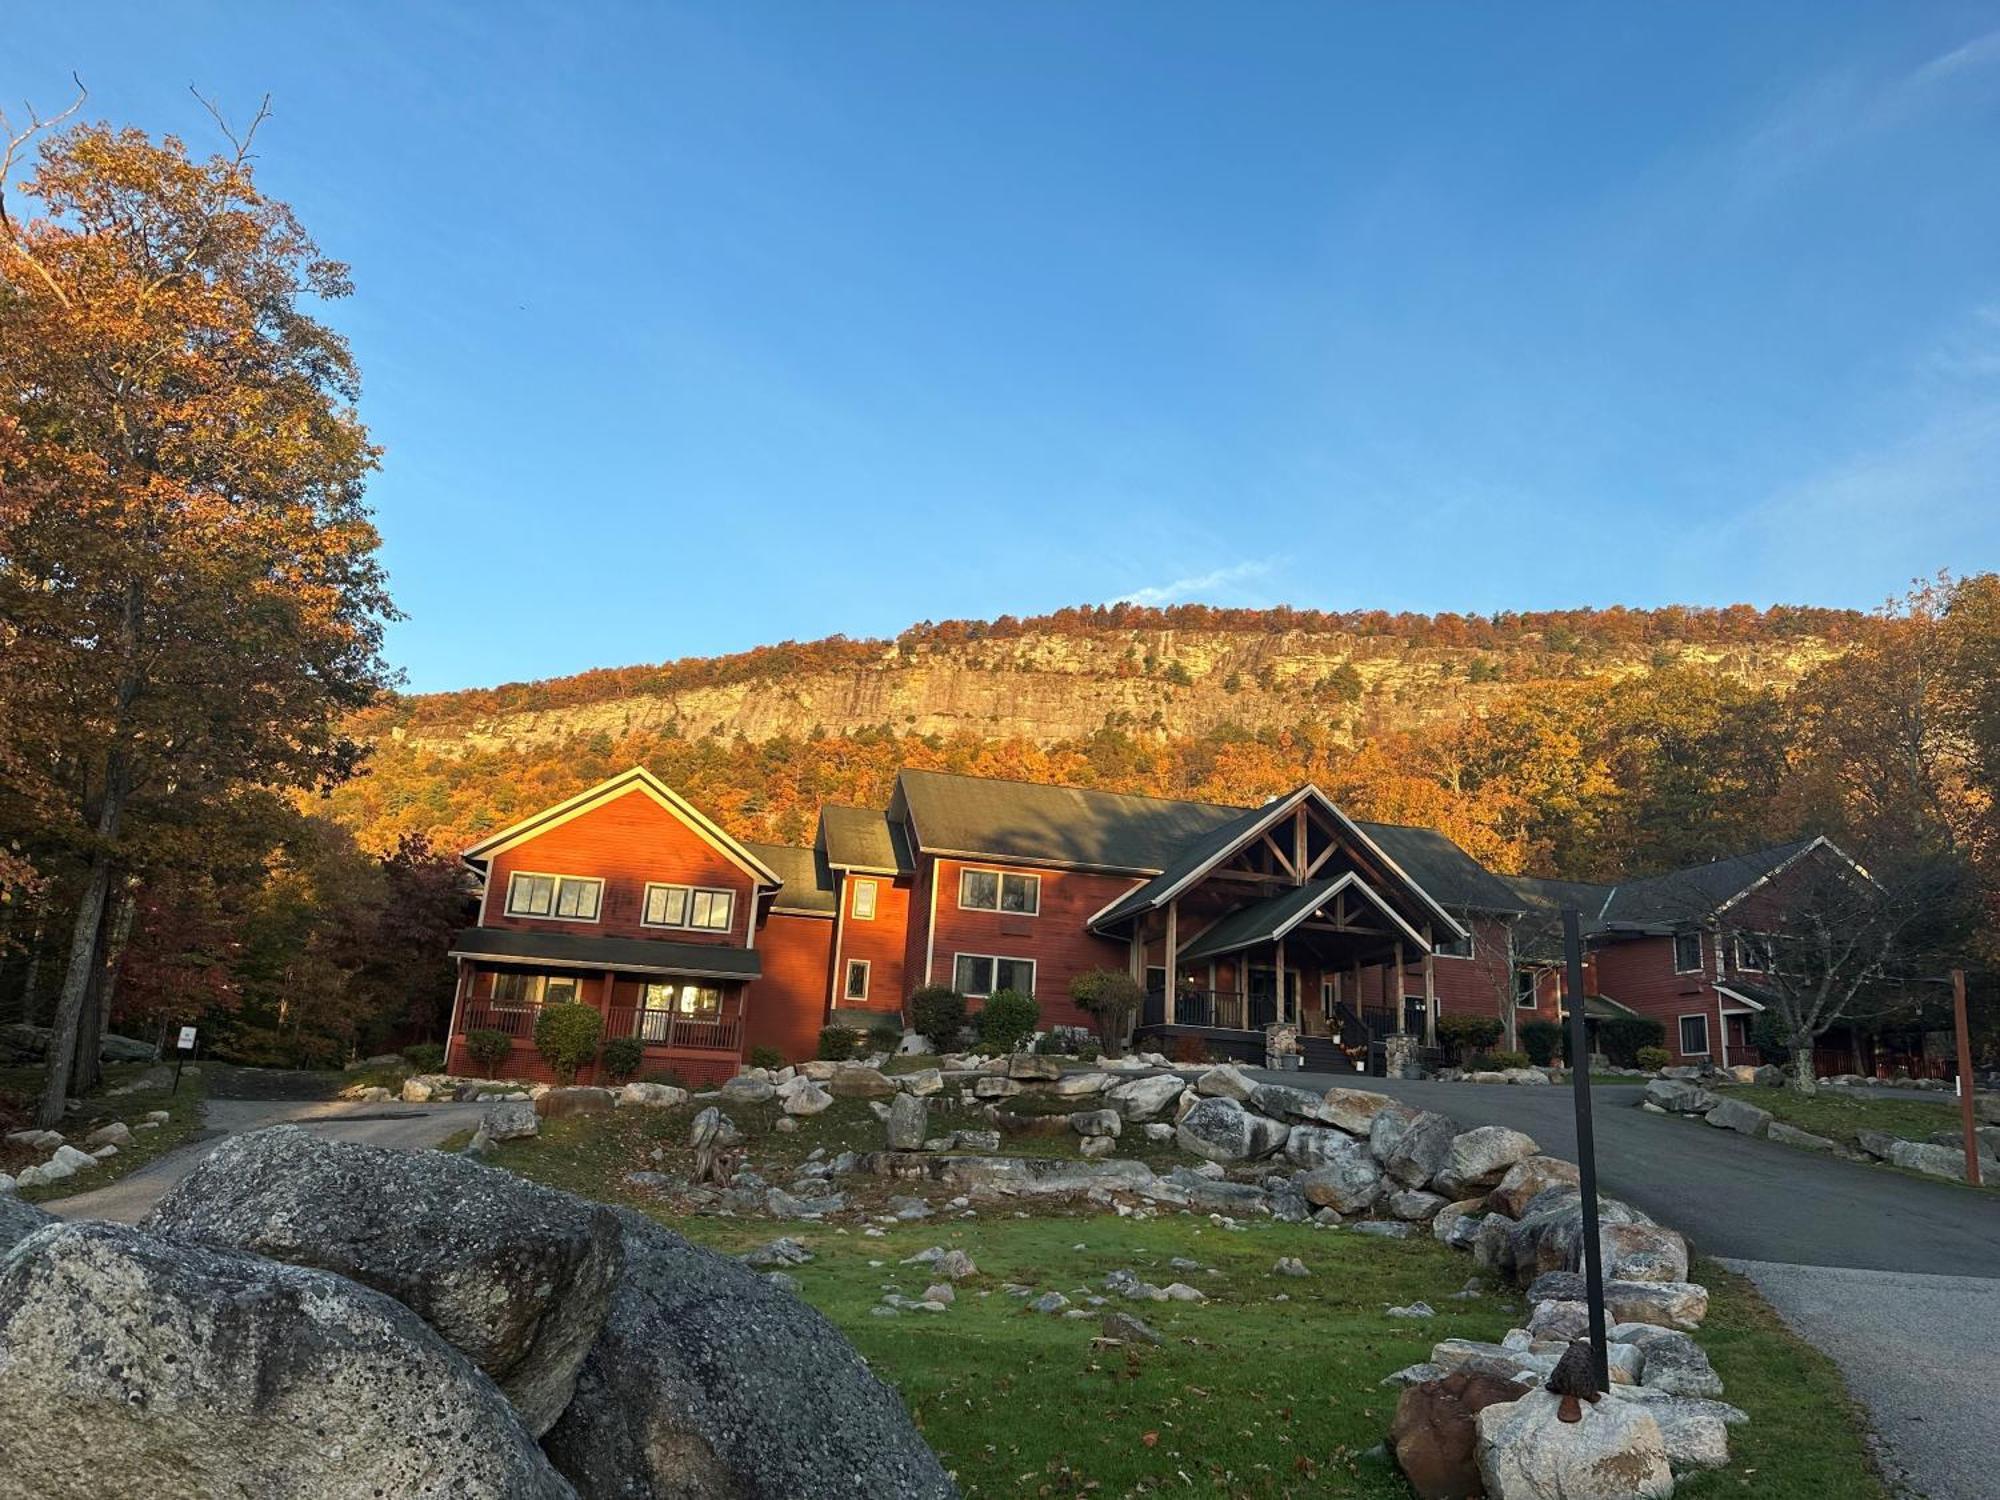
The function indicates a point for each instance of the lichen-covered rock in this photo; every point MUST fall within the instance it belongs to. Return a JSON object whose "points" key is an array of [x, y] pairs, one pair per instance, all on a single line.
{"points": [[1679, 1097], [651, 1095], [1457, 1224], [1526, 1178], [744, 1089], [1142, 1099], [1415, 1205], [1347, 1185], [1480, 1158], [1643, 1252], [1665, 1304], [1097, 1122], [1225, 1081], [1352, 1110], [1079, 1085], [802, 1097], [18, 1220], [136, 1368], [909, 1119], [709, 1382], [1312, 1146], [1421, 1149], [1616, 1452], [1222, 1130], [1033, 1068], [516, 1276], [1283, 1102], [1734, 1114], [510, 1121], [554, 1104], [1435, 1432], [858, 1081]]}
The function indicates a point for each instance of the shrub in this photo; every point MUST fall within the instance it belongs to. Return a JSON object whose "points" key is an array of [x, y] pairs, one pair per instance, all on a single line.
{"points": [[622, 1056], [1506, 1059], [1464, 1035], [837, 1043], [1542, 1041], [1621, 1037], [767, 1057], [1007, 1019], [567, 1036], [1110, 997], [1652, 1059], [886, 1035], [424, 1057], [937, 1014], [1067, 1041], [488, 1048]]}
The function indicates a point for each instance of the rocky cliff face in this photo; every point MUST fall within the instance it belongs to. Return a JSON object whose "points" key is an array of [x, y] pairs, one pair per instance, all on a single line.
{"points": [[1056, 687]]}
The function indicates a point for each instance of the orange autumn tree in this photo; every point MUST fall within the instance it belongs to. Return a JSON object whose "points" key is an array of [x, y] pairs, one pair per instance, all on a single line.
{"points": [[184, 550]]}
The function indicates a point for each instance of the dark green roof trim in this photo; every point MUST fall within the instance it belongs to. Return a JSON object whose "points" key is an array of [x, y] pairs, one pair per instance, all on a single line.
{"points": [[1270, 919], [862, 839], [566, 950], [1453, 877]]}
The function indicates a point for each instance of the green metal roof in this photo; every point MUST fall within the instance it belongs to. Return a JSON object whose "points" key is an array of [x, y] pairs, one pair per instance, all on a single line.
{"points": [[808, 883], [862, 838], [627, 955], [1454, 878], [1059, 824], [1259, 922]]}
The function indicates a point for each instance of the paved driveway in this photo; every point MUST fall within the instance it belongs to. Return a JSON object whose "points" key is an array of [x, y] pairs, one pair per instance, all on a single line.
{"points": [[408, 1126], [1912, 1314]]}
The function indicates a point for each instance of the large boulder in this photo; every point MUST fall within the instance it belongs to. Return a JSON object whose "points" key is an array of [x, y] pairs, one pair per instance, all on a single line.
{"points": [[1221, 1129], [1421, 1149], [136, 1368], [1677, 1096], [514, 1275], [18, 1220], [1078, 1085], [1674, 1362], [1643, 1252], [1352, 1110], [909, 1119], [511, 1120], [1225, 1081], [1480, 1158], [1457, 1224], [1937, 1161], [1616, 1452], [1435, 1433], [744, 1089], [555, 1104], [1312, 1146], [651, 1095], [802, 1096], [1282, 1102], [1094, 1124], [1525, 1179], [1734, 1114], [1347, 1184], [709, 1381], [858, 1081], [1141, 1099], [1033, 1068], [1665, 1304]]}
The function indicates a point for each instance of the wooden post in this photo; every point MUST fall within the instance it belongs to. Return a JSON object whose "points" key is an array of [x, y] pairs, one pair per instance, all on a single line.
{"points": [[1965, 1107], [1243, 990], [1430, 993], [1586, 1144], [1279, 959], [1172, 1009], [1396, 991]]}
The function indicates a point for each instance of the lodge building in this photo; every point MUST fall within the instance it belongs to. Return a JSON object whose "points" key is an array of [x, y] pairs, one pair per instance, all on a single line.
{"points": [[703, 946]]}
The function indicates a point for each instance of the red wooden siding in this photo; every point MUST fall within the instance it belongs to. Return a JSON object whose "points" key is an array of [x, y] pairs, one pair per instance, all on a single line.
{"points": [[787, 1006], [882, 943], [1056, 938]]}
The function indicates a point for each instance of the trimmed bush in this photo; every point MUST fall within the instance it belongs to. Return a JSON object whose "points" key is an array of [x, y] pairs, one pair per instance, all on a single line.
{"points": [[1110, 997], [622, 1056], [567, 1037], [1652, 1059], [837, 1043], [424, 1057], [1542, 1041], [767, 1057], [1008, 1019], [489, 1049], [1621, 1037], [1464, 1035], [937, 1014], [1506, 1059], [886, 1035]]}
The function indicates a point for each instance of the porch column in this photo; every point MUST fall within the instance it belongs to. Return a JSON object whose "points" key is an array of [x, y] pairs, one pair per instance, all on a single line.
{"points": [[1430, 992], [1243, 990], [1394, 985], [1279, 960], [1137, 963], [1173, 960]]}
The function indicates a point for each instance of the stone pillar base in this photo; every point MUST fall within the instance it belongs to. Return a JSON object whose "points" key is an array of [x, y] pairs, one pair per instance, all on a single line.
{"points": [[1399, 1056]]}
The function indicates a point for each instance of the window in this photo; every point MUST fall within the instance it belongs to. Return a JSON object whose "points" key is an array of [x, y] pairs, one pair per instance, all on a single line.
{"points": [[688, 906], [526, 991], [1694, 1036], [1753, 952], [1456, 947], [857, 979], [664, 1000], [980, 974], [990, 890], [1156, 979], [862, 908], [567, 897], [1526, 986], [1687, 954]]}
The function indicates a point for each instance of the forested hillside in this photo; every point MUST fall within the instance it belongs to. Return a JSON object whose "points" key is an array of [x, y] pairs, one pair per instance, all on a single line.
{"points": [[1469, 722]]}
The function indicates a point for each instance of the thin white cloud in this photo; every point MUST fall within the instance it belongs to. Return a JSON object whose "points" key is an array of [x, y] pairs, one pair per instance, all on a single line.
{"points": [[1182, 589]]}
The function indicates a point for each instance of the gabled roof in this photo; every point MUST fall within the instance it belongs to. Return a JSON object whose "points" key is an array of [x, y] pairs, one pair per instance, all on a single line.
{"points": [[1689, 895], [1117, 832], [863, 839], [1437, 864], [809, 884], [1538, 936], [568, 950], [1270, 919], [638, 779]]}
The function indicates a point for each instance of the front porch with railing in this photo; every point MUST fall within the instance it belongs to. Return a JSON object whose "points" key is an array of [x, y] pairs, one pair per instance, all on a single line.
{"points": [[666, 1030]]}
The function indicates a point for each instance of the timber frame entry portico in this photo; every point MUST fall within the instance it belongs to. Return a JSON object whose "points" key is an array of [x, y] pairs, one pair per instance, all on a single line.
{"points": [[1292, 899]]}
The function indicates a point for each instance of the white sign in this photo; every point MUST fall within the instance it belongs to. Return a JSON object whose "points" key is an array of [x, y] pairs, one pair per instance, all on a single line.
{"points": [[187, 1039]]}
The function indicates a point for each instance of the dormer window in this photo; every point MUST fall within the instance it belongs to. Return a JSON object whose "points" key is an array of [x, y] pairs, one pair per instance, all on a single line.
{"points": [[567, 898]]}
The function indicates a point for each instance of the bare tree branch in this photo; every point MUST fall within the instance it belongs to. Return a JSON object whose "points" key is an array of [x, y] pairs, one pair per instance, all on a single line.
{"points": [[243, 142]]}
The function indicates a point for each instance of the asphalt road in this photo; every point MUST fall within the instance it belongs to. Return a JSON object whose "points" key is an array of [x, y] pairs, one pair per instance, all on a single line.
{"points": [[407, 1126], [1897, 1278]]}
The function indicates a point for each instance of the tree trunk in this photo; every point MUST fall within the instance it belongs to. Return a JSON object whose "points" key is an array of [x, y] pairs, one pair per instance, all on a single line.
{"points": [[82, 952], [1804, 1079], [87, 1069]]}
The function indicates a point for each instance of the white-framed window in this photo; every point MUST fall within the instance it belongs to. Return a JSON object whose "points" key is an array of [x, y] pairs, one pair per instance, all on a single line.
{"points": [[1687, 952], [564, 898], [862, 907], [526, 991], [1694, 1036], [1456, 947], [982, 974], [1753, 952], [857, 979], [1527, 985], [693, 906], [663, 999], [1001, 891]]}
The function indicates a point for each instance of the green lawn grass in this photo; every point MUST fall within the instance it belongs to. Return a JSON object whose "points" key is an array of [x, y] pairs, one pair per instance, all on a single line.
{"points": [[19, 1086], [1841, 1114], [1249, 1396]]}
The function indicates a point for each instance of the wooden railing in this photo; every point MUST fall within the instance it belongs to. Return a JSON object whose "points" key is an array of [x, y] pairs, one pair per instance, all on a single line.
{"points": [[656, 1028], [1216, 1010]]}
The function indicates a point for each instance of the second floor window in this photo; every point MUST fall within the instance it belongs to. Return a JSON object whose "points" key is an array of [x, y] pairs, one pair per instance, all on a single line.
{"points": [[1753, 952], [864, 900], [568, 897], [1456, 947], [688, 906], [1687, 952], [979, 974], [993, 890], [1526, 989]]}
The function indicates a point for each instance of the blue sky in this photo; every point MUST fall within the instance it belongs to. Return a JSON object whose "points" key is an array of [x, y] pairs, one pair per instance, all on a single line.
{"points": [[688, 328]]}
